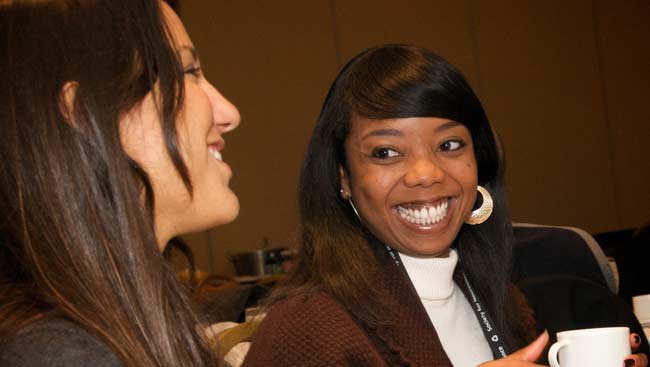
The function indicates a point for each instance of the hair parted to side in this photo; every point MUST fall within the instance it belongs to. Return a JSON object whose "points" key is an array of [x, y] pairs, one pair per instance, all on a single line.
{"points": [[335, 253], [76, 240]]}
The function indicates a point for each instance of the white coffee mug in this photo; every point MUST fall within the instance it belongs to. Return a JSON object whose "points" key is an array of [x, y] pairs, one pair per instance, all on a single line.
{"points": [[641, 306], [599, 347]]}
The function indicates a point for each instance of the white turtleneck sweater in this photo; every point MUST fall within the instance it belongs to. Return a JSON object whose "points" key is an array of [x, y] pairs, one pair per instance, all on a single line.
{"points": [[451, 314]]}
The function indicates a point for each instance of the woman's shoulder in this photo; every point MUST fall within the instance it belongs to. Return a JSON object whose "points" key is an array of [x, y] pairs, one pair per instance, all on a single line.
{"points": [[306, 305], [310, 330], [56, 342], [315, 312]]}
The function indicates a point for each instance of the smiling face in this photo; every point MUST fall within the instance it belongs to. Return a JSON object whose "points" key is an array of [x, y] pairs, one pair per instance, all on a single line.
{"points": [[204, 117], [413, 180]]}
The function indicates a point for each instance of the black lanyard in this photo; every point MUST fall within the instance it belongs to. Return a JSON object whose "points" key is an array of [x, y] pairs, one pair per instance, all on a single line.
{"points": [[489, 328]]}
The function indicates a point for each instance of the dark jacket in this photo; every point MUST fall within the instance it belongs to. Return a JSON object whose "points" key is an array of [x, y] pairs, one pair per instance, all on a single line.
{"points": [[316, 330], [56, 343]]}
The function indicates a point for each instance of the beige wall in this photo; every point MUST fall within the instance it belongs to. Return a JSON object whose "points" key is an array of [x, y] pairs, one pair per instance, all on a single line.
{"points": [[565, 83]]}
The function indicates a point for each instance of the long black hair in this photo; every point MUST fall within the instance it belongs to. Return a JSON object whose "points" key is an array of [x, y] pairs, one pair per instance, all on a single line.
{"points": [[335, 253]]}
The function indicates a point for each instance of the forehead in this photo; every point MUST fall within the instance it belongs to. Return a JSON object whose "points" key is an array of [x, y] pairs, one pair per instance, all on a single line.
{"points": [[176, 28], [364, 127]]}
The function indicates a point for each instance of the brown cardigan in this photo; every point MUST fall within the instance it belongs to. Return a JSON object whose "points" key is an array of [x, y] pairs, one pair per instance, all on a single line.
{"points": [[315, 330]]}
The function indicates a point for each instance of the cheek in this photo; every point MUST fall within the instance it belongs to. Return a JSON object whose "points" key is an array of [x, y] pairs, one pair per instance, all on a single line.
{"points": [[143, 142], [472, 174], [193, 127], [185, 144], [471, 200], [374, 186], [469, 181], [141, 134]]}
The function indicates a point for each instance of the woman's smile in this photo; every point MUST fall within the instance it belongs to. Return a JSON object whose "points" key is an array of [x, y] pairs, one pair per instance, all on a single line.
{"points": [[213, 149], [214, 155], [429, 216]]}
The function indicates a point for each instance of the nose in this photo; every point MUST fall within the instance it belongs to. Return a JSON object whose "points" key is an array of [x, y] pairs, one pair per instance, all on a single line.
{"points": [[423, 171], [225, 114]]}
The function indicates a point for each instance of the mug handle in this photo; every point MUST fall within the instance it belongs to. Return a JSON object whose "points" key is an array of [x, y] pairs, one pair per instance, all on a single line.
{"points": [[555, 349]]}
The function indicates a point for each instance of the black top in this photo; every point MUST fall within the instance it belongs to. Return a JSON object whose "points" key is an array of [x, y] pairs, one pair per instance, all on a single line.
{"points": [[56, 343]]}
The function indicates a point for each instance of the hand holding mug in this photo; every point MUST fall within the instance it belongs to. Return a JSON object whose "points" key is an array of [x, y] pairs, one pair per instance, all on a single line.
{"points": [[524, 357]]}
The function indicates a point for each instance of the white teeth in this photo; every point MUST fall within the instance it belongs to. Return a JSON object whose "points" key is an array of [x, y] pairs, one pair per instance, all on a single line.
{"points": [[424, 213], [427, 215], [215, 153], [433, 213]]}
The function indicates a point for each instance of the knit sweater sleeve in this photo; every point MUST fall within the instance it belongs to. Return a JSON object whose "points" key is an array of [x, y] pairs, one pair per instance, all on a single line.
{"points": [[311, 331], [56, 343]]}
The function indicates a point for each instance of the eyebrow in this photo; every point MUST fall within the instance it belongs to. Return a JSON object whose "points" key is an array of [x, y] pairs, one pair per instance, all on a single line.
{"points": [[447, 125], [395, 132], [383, 132]]}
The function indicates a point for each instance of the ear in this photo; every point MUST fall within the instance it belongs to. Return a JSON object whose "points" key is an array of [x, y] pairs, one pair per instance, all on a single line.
{"points": [[344, 181], [67, 97]]}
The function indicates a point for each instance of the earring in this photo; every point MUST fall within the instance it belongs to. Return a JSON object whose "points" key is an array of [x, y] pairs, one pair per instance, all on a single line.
{"points": [[348, 197], [354, 209], [481, 214]]}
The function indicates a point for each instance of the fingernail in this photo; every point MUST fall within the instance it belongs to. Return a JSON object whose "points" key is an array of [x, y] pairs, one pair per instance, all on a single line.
{"points": [[629, 362], [637, 339]]}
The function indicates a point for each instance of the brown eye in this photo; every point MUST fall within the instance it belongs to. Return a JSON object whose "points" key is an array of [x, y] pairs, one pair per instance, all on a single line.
{"points": [[383, 153], [451, 145]]}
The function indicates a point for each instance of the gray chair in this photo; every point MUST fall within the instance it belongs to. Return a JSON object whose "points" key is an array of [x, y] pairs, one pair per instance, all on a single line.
{"points": [[542, 250], [568, 281]]}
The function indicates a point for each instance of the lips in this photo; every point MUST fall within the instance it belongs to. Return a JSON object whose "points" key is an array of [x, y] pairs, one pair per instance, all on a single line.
{"points": [[213, 149], [424, 214]]}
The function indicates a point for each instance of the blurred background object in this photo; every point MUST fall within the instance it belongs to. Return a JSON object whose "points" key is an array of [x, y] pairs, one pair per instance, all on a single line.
{"points": [[630, 249], [642, 311]]}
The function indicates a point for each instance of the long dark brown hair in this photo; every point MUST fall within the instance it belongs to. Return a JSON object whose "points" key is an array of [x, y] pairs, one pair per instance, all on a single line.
{"points": [[76, 240], [335, 253]]}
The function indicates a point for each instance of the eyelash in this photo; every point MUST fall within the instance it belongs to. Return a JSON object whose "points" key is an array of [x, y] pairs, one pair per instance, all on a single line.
{"points": [[384, 152], [460, 143], [193, 70], [376, 153]]}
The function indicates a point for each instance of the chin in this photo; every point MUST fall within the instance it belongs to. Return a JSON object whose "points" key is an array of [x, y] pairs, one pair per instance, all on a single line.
{"points": [[228, 211], [230, 218], [213, 213]]}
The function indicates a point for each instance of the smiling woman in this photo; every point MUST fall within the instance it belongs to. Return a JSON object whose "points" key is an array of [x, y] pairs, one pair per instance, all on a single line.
{"points": [[111, 144], [202, 119], [390, 271], [406, 244]]}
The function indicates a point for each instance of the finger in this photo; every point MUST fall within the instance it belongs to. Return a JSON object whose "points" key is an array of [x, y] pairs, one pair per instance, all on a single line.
{"points": [[532, 351], [636, 360], [635, 341], [505, 362]]}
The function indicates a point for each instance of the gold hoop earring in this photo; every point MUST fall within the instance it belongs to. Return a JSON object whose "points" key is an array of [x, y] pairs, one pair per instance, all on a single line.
{"points": [[481, 214]]}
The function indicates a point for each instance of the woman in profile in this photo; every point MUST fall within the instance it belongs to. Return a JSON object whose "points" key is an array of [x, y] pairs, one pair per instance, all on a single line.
{"points": [[111, 145]]}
